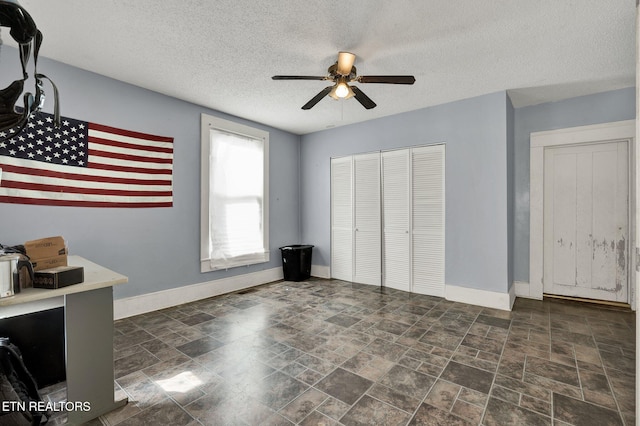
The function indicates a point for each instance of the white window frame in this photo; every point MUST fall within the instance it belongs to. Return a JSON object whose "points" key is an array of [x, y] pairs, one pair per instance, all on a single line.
{"points": [[209, 123]]}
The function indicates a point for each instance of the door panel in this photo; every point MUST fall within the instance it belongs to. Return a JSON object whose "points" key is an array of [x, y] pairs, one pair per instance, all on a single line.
{"points": [[341, 219], [586, 220], [396, 195], [427, 219], [341, 254], [564, 211], [428, 265], [367, 257]]}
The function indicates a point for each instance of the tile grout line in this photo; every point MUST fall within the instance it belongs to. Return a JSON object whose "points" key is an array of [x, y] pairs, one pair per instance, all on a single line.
{"points": [[551, 402], [422, 401], [495, 375], [606, 375]]}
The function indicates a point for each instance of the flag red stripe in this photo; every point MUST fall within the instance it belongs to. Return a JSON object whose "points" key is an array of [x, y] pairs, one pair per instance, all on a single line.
{"points": [[69, 203], [116, 168], [129, 157], [75, 190], [122, 132], [130, 145], [80, 177]]}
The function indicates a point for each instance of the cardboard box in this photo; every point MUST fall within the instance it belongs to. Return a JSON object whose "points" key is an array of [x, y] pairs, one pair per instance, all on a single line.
{"points": [[47, 253], [46, 247], [59, 277], [49, 262]]}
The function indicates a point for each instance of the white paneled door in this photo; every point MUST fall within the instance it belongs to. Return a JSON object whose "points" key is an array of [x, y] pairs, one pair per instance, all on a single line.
{"points": [[387, 219], [427, 224], [355, 219], [396, 212], [586, 220], [413, 219], [366, 195], [342, 218]]}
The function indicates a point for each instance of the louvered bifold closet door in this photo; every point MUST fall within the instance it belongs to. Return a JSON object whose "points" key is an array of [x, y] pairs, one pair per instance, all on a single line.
{"points": [[396, 193], [427, 165], [367, 264], [342, 218]]}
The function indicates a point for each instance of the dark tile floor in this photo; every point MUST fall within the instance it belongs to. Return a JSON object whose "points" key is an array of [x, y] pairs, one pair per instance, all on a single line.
{"points": [[328, 352]]}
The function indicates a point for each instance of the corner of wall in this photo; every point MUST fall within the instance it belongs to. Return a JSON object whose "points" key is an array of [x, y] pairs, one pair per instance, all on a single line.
{"points": [[299, 173], [511, 193]]}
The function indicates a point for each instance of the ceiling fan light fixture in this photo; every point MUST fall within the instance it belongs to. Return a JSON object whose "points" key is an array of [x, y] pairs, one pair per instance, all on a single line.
{"points": [[341, 90]]}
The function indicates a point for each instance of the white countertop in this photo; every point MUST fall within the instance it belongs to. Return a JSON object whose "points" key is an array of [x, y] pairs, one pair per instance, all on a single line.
{"points": [[95, 277]]}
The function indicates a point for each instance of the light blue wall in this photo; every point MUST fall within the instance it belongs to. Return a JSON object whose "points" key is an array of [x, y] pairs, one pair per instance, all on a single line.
{"points": [[605, 107], [158, 248], [475, 133]]}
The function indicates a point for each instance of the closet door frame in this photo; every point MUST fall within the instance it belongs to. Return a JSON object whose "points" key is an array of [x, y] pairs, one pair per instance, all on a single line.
{"points": [[347, 261]]}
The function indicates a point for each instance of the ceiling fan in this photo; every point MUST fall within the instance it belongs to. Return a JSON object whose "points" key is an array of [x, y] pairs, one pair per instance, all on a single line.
{"points": [[341, 74]]}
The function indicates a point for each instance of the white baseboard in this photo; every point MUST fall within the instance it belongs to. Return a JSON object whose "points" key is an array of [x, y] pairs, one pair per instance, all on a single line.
{"points": [[512, 296], [136, 305], [320, 271], [488, 299], [522, 289]]}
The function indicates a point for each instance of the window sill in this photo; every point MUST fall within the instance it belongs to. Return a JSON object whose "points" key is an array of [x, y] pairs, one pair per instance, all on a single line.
{"points": [[206, 265]]}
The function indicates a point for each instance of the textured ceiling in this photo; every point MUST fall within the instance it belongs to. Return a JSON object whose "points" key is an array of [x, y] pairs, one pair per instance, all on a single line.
{"points": [[221, 54]]}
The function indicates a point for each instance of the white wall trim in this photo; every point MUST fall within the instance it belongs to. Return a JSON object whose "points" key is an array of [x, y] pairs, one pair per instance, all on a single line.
{"points": [[321, 271], [512, 296], [584, 134], [488, 299], [136, 305], [523, 289], [573, 135]]}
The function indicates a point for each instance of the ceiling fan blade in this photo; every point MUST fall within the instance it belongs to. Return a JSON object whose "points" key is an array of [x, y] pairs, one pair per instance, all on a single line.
{"points": [[298, 77], [389, 79], [362, 98], [345, 62], [317, 98]]}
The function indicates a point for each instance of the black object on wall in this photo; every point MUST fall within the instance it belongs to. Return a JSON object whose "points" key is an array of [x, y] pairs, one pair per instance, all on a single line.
{"points": [[40, 338]]}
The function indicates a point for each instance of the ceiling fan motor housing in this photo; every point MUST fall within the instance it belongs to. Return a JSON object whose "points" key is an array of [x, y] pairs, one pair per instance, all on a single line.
{"points": [[333, 72]]}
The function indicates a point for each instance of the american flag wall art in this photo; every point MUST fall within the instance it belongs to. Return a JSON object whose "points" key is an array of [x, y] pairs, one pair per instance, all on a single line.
{"points": [[85, 165]]}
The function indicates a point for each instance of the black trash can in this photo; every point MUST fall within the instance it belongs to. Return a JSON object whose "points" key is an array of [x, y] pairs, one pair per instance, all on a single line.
{"points": [[296, 262]]}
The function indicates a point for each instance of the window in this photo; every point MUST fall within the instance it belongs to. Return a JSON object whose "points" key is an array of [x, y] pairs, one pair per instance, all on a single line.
{"points": [[234, 202]]}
